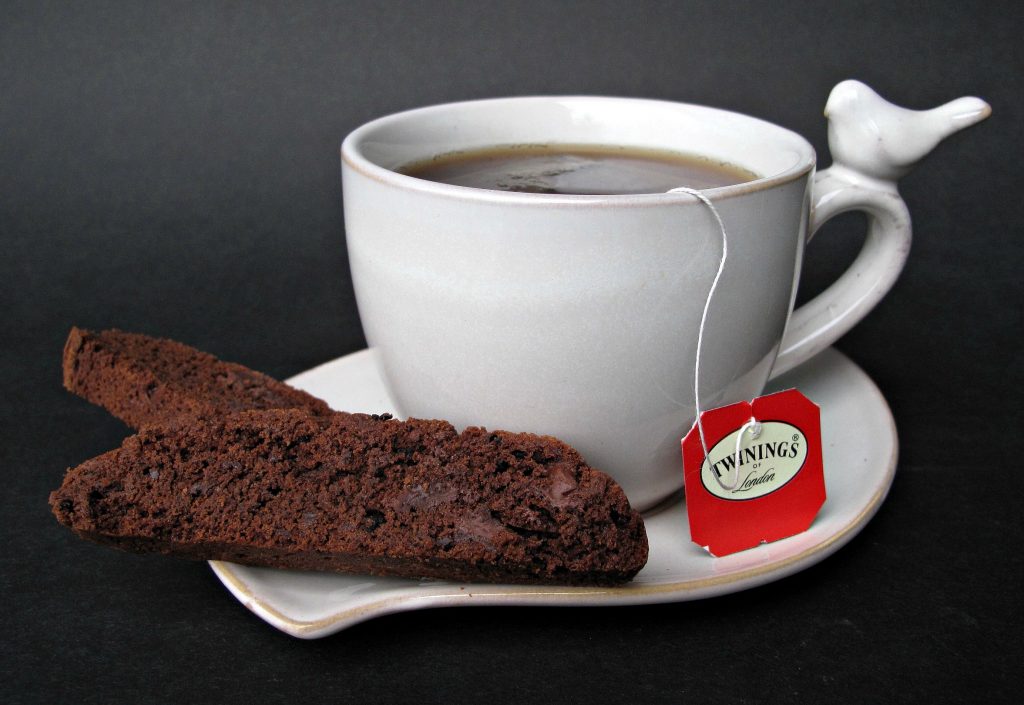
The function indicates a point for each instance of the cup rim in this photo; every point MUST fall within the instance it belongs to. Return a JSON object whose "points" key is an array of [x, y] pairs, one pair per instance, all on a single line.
{"points": [[353, 157]]}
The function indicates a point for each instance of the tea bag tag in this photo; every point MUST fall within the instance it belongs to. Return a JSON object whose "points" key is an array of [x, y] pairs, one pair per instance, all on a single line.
{"points": [[761, 478]]}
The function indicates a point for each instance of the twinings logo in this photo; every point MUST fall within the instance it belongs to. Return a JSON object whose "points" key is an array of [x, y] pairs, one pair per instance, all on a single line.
{"points": [[765, 463]]}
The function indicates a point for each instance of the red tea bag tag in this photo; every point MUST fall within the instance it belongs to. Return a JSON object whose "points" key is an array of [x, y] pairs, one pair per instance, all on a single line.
{"points": [[761, 479]]}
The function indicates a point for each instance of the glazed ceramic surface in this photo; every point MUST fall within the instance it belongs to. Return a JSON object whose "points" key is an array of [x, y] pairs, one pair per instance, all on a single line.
{"points": [[859, 444], [578, 316]]}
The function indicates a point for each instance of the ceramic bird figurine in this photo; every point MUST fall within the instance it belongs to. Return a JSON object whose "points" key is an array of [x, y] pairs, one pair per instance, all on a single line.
{"points": [[872, 136]]}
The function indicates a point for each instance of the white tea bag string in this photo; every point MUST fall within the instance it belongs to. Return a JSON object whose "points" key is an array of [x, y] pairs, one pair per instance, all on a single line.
{"points": [[751, 425], [754, 426]]}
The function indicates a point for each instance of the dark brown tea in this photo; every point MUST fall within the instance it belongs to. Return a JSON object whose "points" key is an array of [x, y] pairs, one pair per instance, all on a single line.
{"points": [[576, 169]]}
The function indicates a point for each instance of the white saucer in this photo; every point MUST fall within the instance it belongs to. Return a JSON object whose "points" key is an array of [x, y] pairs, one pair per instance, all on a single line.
{"points": [[860, 448]]}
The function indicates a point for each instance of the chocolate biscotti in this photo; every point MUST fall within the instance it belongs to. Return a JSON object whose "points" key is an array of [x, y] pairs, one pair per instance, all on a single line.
{"points": [[360, 494], [143, 380]]}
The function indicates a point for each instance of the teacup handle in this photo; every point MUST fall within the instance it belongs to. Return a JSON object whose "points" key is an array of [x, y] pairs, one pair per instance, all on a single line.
{"points": [[873, 143]]}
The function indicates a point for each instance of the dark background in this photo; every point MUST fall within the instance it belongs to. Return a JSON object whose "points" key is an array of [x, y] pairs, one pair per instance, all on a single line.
{"points": [[172, 169]]}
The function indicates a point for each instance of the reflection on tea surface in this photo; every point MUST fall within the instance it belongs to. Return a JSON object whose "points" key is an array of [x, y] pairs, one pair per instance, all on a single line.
{"points": [[576, 169]]}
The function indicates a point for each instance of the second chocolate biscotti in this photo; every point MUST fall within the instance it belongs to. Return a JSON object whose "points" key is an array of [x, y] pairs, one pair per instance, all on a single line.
{"points": [[359, 494], [143, 380]]}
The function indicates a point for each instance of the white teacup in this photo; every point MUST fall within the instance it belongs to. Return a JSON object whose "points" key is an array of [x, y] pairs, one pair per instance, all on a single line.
{"points": [[577, 316]]}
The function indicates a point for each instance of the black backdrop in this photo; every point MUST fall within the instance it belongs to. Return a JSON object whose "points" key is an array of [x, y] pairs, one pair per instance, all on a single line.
{"points": [[172, 168]]}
